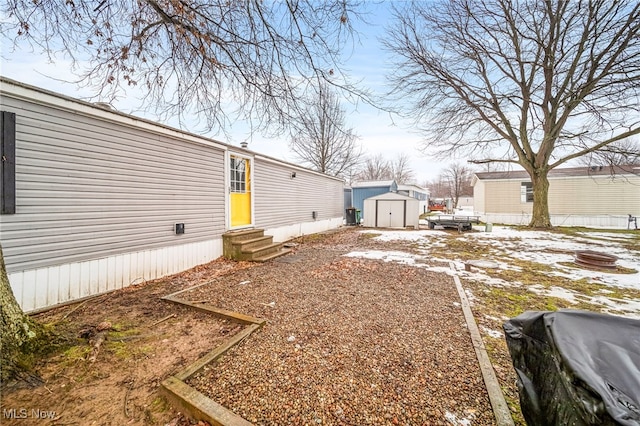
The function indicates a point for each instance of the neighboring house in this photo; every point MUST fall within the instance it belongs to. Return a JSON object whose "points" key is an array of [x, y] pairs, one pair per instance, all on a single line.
{"points": [[93, 200], [419, 193], [391, 210], [465, 203], [363, 190], [578, 196]]}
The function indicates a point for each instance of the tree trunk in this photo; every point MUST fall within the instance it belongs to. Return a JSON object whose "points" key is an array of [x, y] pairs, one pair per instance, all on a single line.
{"points": [[540, 217], [17, 330]]}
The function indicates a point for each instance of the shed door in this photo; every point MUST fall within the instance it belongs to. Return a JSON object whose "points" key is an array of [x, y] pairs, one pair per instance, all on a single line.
{"points": [[239, 191], [390, 214]]}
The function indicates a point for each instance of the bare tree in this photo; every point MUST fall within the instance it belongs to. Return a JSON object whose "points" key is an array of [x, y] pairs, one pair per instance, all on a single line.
{"points": [[378, 167], [18, 332], [198, 57], [401, 171], [625, 152], [438, 187], [320, 137], [375, 168], [458, 181], [530, 82]]}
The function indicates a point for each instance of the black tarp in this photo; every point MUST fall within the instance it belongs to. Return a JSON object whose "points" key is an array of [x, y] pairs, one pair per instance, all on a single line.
{"points": [[576, 367]]}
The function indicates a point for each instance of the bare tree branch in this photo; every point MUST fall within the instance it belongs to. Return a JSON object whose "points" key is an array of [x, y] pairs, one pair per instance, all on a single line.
{"points": [[529, 82], [226, 60], [458, 180], [378, 167], [624, 152], [375, 168], [320, 138], [401, 171]]}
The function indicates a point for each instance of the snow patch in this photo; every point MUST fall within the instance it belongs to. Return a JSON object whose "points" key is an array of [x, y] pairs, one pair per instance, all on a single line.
{"points": [[492, 333], [454, 420]]}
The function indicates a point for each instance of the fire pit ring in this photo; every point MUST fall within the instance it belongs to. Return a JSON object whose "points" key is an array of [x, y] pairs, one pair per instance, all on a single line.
{"points": [[595, 259]]}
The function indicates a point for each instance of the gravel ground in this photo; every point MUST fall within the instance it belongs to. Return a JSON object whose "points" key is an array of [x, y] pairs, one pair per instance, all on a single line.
{"points": [[348, 341]]}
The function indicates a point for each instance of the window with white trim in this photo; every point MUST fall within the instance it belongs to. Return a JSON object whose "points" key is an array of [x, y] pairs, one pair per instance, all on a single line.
{"points": [[526, 192]]}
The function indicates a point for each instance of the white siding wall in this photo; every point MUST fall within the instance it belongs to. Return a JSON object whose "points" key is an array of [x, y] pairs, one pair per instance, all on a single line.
{"points": [[599, 202], [40, 288], [92, 195], [503, 196], [281, 201], [599, 195], [479, 197], [581, 196]]}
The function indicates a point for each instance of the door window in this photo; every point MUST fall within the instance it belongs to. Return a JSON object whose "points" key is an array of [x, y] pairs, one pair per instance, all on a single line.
{"points": [[238, 178]]}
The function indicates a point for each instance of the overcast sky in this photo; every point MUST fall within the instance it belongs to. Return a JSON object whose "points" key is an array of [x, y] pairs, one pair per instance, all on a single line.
{"points": [[379, 133]]}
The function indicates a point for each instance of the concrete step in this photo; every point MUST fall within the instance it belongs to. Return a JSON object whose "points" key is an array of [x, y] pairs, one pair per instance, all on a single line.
{"points": [[244, 245], [243, 234], [253, 253], [266, 258], [251, 245]]}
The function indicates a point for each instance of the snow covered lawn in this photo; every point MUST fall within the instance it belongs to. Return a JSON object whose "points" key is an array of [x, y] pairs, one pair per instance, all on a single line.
{"points": [[529, 263]]}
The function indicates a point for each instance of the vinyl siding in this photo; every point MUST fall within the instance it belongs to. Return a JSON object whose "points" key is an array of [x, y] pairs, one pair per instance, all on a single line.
{"points": [[89, 188], [282, 200], [37, 289], [361, 194], [504, 197], [593, 196], [573, 196]]}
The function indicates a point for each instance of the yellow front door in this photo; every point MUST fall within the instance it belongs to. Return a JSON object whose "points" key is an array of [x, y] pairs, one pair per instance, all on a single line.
{"points": [[240, 188]]}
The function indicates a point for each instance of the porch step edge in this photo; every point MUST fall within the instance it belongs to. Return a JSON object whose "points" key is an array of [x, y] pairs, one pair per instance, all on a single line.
{"points": [[254, 250], [268, 257], [253, 240]]}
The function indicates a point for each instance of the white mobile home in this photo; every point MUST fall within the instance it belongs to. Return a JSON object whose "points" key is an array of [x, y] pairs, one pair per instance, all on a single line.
{"points": [[419, 193], [578, 196], [94, 200]]}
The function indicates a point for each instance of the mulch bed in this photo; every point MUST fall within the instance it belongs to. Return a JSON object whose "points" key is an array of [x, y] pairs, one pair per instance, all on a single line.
{"points": [[348, 341]]}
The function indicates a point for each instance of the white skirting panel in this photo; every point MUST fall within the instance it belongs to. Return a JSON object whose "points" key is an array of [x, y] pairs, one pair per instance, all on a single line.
{"points": [[288, 232], [46, 287], [595, 221]]}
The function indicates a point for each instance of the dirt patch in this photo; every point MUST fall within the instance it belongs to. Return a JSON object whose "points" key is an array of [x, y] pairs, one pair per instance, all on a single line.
{"points": [[147, 340], [348, 341]]}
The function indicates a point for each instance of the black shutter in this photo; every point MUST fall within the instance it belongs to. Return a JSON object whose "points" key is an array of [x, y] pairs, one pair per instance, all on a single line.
{"points": [[8, 163]]}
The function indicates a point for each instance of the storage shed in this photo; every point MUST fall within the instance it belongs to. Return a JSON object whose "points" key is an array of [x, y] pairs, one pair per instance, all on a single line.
{"points": [[391, 210], [360, 191]]}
